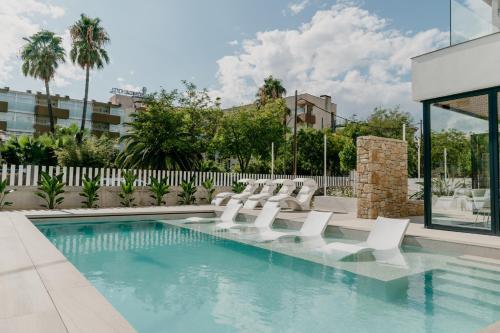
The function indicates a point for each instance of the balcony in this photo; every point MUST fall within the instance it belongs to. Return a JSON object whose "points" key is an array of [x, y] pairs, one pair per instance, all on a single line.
{"points": [[41, 128], [98, 117], [41, 110], [306, 118], [112, 135]]}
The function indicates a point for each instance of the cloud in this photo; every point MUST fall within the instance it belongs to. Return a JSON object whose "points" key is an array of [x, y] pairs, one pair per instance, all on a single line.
{"points": [[127, 86], [17, 20], [68, 72], [296, 7], [344, 51], [233, 42]]}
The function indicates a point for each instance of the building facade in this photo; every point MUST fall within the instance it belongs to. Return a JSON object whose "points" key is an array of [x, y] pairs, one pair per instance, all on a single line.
{"points": [[27, 113], [459, 87], [312, 111]]}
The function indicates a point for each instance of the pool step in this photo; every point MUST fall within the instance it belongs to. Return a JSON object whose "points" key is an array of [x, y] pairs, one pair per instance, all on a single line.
{"points": [[479, 273], [482, 260], [476, 265], [478, 284], [469, 297]]}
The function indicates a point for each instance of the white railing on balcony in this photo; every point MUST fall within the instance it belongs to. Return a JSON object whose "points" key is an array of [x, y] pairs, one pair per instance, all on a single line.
{"points": [[29, 175]]}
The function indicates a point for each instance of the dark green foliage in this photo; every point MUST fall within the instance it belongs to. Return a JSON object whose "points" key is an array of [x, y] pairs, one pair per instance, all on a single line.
{"points": [[159, 188], [90, 191], [173, 132], [41, 55], [3, 194], [127, 189], [24, 149], [50, 190], [95, 152], [188, 191], [209, 187], [238, 187], [249, 131]]}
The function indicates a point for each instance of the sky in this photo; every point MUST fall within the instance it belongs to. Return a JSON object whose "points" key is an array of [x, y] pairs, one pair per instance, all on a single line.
{"points": [[356, 51]]}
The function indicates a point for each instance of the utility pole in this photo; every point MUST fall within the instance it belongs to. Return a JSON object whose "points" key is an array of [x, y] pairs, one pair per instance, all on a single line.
{"points": [[295, 136]]}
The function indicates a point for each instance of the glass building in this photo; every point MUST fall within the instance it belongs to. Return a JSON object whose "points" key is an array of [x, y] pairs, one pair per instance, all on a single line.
{"points": [[27, 113], [459, 88]]}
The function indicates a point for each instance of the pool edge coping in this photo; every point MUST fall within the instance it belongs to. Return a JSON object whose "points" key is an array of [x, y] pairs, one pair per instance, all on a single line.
{"points": [[67, 311]]}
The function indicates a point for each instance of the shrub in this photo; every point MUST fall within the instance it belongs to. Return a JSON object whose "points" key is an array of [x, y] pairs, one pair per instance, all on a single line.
{"points": [[90, 191], [25, 149], [96, 152], [209, 187], [127, 189], [238, 187], [159, 188], [3, 194], [188, 190], [50, 190]]}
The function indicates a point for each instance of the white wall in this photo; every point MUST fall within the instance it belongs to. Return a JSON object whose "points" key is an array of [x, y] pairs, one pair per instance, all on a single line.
{"points": [[460, 68], [25, 198]]}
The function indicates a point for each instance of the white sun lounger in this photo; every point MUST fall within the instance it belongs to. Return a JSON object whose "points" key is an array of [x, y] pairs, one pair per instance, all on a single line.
{"points": [[314, 226], [264, 220], [264, 184], [228, 215], [223, 198], [287, 188], [303, 199], [387, 234]]}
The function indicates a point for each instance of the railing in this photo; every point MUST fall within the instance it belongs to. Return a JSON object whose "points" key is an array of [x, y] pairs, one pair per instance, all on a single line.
{"points": [[29, 175]]}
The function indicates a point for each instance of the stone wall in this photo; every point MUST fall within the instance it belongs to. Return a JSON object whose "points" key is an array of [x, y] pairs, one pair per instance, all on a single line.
{"points": [[382, 182]]}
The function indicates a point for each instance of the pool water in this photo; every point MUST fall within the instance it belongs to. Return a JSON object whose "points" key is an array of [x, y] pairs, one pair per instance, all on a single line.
{"points": [[164, 278]]}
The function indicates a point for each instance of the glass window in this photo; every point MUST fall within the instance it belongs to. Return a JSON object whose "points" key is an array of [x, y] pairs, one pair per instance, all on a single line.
{"points": [[460, 163], [472, 19]]}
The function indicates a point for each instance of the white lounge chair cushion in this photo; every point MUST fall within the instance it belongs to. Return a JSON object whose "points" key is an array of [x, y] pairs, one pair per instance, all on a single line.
{"points": [[229, 214], [314, 226], [387, 233]]}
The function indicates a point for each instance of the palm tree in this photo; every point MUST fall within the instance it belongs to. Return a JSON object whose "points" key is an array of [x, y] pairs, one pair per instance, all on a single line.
{"points": [[271, 89], [41, 56], [89, 39]]}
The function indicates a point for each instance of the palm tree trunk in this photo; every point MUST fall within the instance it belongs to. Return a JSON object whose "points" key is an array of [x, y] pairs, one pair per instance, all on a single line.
{"points": [[49, 107], [84, 113]]}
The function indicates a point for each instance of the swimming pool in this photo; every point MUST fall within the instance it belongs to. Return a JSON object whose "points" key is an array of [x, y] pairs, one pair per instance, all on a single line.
{"points": [[166, 278]]}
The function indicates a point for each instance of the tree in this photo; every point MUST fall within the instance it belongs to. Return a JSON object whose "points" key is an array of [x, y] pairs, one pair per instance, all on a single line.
{"points": [[271, 89], [88, 38], [458, 152], [249, 131], [27, 150], [175, 130], [383, 122], [41, 55]]}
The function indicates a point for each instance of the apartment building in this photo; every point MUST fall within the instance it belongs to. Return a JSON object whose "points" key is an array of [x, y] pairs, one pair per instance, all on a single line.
{"points": [[312, 111], [459, 88], [27, 113]]}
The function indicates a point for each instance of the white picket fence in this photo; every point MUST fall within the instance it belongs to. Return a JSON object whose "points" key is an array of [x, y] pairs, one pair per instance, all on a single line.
{"points": [[29, 175]]}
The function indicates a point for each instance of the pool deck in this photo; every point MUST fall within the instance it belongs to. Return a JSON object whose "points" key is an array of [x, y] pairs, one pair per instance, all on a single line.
{"points": [[41, 291]]}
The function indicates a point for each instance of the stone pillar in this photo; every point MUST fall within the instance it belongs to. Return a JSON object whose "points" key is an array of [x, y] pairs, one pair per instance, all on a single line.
{"points": [[382, 182]]}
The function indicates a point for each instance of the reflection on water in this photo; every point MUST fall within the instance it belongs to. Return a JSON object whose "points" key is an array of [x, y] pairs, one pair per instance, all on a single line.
{"points": [[165, 278]]}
